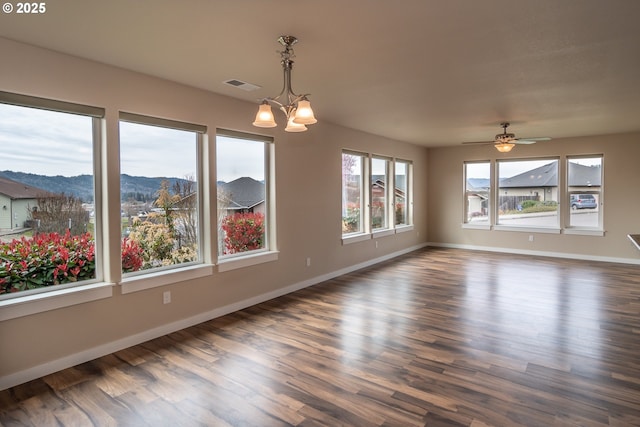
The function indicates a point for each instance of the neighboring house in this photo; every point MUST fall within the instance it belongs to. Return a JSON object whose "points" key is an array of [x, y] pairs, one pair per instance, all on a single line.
{"points": [[16, 201], [242, 195], [539, 184], [478, 196]]}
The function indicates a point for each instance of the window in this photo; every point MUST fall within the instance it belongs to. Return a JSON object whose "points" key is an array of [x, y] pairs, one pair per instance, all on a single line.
{"points": [[584, 191], [402, 185], [477, 178], [160, 193], [528, 193], [47, 195], [387, 183], [245, 210], [380, 193], [353, 196]]}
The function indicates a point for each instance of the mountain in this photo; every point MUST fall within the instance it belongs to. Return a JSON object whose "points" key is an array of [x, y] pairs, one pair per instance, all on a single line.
{"points": [[131, 187]]}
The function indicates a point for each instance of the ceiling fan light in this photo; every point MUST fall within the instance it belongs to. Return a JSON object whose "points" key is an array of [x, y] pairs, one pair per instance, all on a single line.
{"points": [[264, 117], [504, 147], [304, 113], [293, 126]]}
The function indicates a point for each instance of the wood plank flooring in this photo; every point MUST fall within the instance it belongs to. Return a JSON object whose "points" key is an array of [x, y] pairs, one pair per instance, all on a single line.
{"points": [[439, 337]]}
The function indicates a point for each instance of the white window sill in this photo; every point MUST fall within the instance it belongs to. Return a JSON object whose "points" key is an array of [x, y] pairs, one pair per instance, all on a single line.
{"points": [[584, 231], [165, 277], [527, 229], [476, 226], [45, 301], [403, 228], [346, 240], [383, 233], [246, 260]]}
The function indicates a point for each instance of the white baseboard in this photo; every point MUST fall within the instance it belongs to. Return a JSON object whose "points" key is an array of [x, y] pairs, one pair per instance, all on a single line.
{"points": [[111, 347], [538, 253]]}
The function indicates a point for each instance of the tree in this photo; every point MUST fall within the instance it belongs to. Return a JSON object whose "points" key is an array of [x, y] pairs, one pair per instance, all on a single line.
{"points": [[166, 202], [59, 213], [186, 211]]}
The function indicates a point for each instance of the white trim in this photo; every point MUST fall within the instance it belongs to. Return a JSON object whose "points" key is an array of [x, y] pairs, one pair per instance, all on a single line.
{"points": [[111, 347], [527, 229], [538, 253], [346, 240], [165, 277], [45, 301], [246, 261], [383, 233], [403, 228], [583, 231], [476, 226]]}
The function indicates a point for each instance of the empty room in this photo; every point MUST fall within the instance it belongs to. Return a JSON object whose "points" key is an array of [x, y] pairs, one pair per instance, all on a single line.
{"points": [[296, 213]]}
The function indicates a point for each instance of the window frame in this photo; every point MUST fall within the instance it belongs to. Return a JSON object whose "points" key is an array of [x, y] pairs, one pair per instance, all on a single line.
{"points": [[365, 231], [557, 227], [368, 232], [563, 195], [145, 279], [59, 296], [270, 251], [387, 205], [408, 225], [597, 230], [490, 197]]}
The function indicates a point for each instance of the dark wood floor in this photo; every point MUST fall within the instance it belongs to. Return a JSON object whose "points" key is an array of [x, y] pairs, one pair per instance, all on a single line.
{"points": [[439, 337]]}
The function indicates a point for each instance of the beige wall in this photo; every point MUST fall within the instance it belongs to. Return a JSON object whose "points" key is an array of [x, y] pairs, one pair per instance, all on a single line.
{"points": [[308, 182], [620, 197]]}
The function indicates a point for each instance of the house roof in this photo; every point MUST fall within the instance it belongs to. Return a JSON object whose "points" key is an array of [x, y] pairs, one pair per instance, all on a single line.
{"points": [[543, 176], [244, 193], [547, 176], [17, 190], [584, 176]]}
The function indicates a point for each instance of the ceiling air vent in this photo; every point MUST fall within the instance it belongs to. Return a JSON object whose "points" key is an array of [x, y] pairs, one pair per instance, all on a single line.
{"points": [[241, 85]]}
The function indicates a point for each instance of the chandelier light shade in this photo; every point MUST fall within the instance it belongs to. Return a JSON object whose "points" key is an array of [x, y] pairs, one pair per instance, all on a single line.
{"points": [[292, 126], [296, 108], [264, 117]]}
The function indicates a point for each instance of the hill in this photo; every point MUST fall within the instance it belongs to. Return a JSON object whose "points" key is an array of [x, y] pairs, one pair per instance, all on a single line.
{"points": [[139, 188]]}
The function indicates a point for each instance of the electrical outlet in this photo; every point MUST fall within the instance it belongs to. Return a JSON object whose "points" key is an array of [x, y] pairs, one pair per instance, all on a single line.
{"points": [[531, 237], [308, 262], [376, 244], [166, 297]]}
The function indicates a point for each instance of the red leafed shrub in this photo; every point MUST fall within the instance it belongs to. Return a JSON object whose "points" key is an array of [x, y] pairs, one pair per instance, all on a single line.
{"points": [[243, 232], [132, 255], [49, 259]]}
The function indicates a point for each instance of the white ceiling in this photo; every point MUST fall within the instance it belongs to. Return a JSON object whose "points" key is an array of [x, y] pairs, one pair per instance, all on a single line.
{"points": [[430, 72]]}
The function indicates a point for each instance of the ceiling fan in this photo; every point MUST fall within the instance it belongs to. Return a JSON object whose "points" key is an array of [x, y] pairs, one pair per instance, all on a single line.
{"points": [[504, 141]]}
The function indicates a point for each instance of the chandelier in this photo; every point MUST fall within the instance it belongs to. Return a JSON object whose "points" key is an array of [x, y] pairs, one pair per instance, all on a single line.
{"points": [[296, 108]]}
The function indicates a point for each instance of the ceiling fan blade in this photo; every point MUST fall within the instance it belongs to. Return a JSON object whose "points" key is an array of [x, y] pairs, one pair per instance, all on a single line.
{"points": [[478, 142], [531, 140]]}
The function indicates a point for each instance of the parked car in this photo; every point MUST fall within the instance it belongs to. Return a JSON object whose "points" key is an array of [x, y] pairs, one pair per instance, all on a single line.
{"points": [[583, 201]]}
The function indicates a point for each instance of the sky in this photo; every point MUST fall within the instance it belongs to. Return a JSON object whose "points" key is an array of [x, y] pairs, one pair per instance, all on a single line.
{"points": [[52, 143], [512, 168]]}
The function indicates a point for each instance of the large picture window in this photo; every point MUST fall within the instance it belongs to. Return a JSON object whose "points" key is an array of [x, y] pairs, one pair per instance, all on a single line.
{"points": [[160, 194], [47, 195], [528, 193], [243, 170]]}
